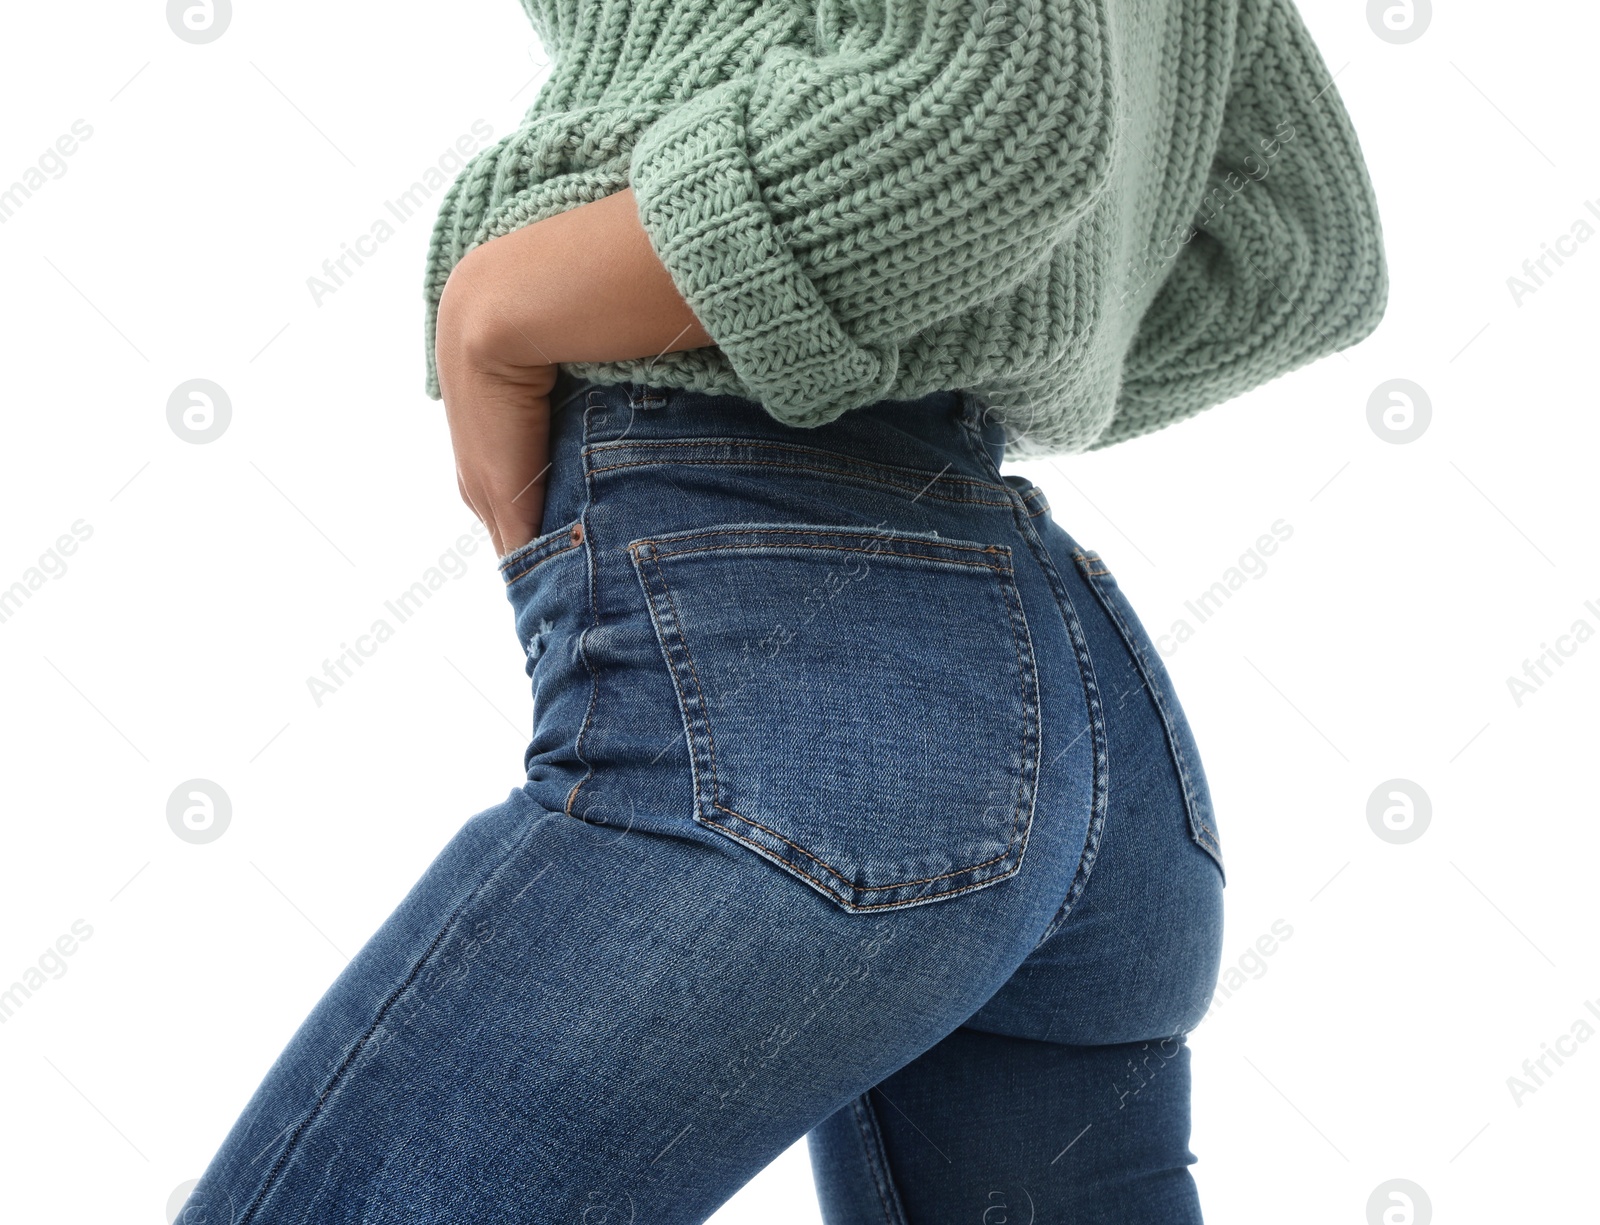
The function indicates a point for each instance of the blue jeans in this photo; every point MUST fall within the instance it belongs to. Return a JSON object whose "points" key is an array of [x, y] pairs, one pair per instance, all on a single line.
{"points": [[858, 806]]}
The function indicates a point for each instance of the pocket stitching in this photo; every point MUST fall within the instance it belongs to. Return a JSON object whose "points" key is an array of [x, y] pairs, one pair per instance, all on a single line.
{"points": [[762, 530], [723, 548], [1093, 567], [835, 872], [547, 557], [544, 551], [840, 898], [688, 730], [1027, 673]]}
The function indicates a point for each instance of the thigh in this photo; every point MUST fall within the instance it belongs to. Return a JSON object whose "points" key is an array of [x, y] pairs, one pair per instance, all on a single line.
{"points": [[986, 1129], [566, 1021]]}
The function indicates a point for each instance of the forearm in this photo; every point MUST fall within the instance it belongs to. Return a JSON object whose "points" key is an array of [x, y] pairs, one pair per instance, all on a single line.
{"points": [[583, 285]]}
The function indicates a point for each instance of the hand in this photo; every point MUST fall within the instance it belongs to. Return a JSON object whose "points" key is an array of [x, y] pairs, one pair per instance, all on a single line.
{"points": [[497, 403], [581, 286]]}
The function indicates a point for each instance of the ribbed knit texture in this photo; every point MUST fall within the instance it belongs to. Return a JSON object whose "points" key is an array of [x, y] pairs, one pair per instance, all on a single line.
{"points": [[1100, 215]]}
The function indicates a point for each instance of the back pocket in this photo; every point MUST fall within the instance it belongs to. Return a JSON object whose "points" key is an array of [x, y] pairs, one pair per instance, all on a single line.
{"points": [[1180, 738], [861, 706]]}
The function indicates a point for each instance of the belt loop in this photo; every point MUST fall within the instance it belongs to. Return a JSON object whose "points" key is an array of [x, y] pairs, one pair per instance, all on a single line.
{"points": [[644, 395], [985, 427], [595, 411], [971, 411]]}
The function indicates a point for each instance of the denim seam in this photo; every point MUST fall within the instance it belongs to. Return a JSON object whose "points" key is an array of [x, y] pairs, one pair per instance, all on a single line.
{"points": [[645, 399], [673, 673], [897, 474], [830, 548], [877, 1159], [1204, 833], [846, 902], [594, 624], [842, 460], [793, 448], [1179, 755], [832, 871], [384, 1009], [548, 554], [1032, 496], [1028, 783], [1100, 784], [835, 472], [1033, 716], [676, 632], [935, 542]]}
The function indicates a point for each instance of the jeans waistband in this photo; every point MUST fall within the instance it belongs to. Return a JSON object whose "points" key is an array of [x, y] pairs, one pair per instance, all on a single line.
{"points": [[934, 433]]}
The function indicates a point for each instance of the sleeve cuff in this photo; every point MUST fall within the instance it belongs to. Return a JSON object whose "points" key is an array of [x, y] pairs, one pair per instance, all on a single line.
{"points": [[702, 208]]}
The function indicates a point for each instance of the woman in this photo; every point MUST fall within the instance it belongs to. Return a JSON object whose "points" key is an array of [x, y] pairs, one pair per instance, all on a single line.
{"points": [[859, 805]]}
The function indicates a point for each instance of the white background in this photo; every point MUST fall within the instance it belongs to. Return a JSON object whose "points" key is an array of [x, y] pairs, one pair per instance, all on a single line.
{"points": [[1376, 1043]]}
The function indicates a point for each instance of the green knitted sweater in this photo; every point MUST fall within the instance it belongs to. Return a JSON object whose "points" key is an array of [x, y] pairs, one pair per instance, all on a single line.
{"points": [[1101, 216]]}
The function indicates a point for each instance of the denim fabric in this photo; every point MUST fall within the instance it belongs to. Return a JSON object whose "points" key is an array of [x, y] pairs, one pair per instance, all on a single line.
{"points": [[857, 803]]}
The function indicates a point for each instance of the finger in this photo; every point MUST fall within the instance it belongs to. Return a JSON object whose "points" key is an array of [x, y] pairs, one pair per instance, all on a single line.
{"points": [[475, 505], [492, 521], [499, 429], [461, 487]]}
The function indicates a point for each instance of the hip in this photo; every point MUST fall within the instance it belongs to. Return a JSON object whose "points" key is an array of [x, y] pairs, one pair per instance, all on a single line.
{"points": [[831, 647], [859, 653]]}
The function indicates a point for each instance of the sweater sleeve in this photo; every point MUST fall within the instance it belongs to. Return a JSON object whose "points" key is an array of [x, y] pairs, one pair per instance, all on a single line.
{"points": [[820, 208], [1283, 262]]}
